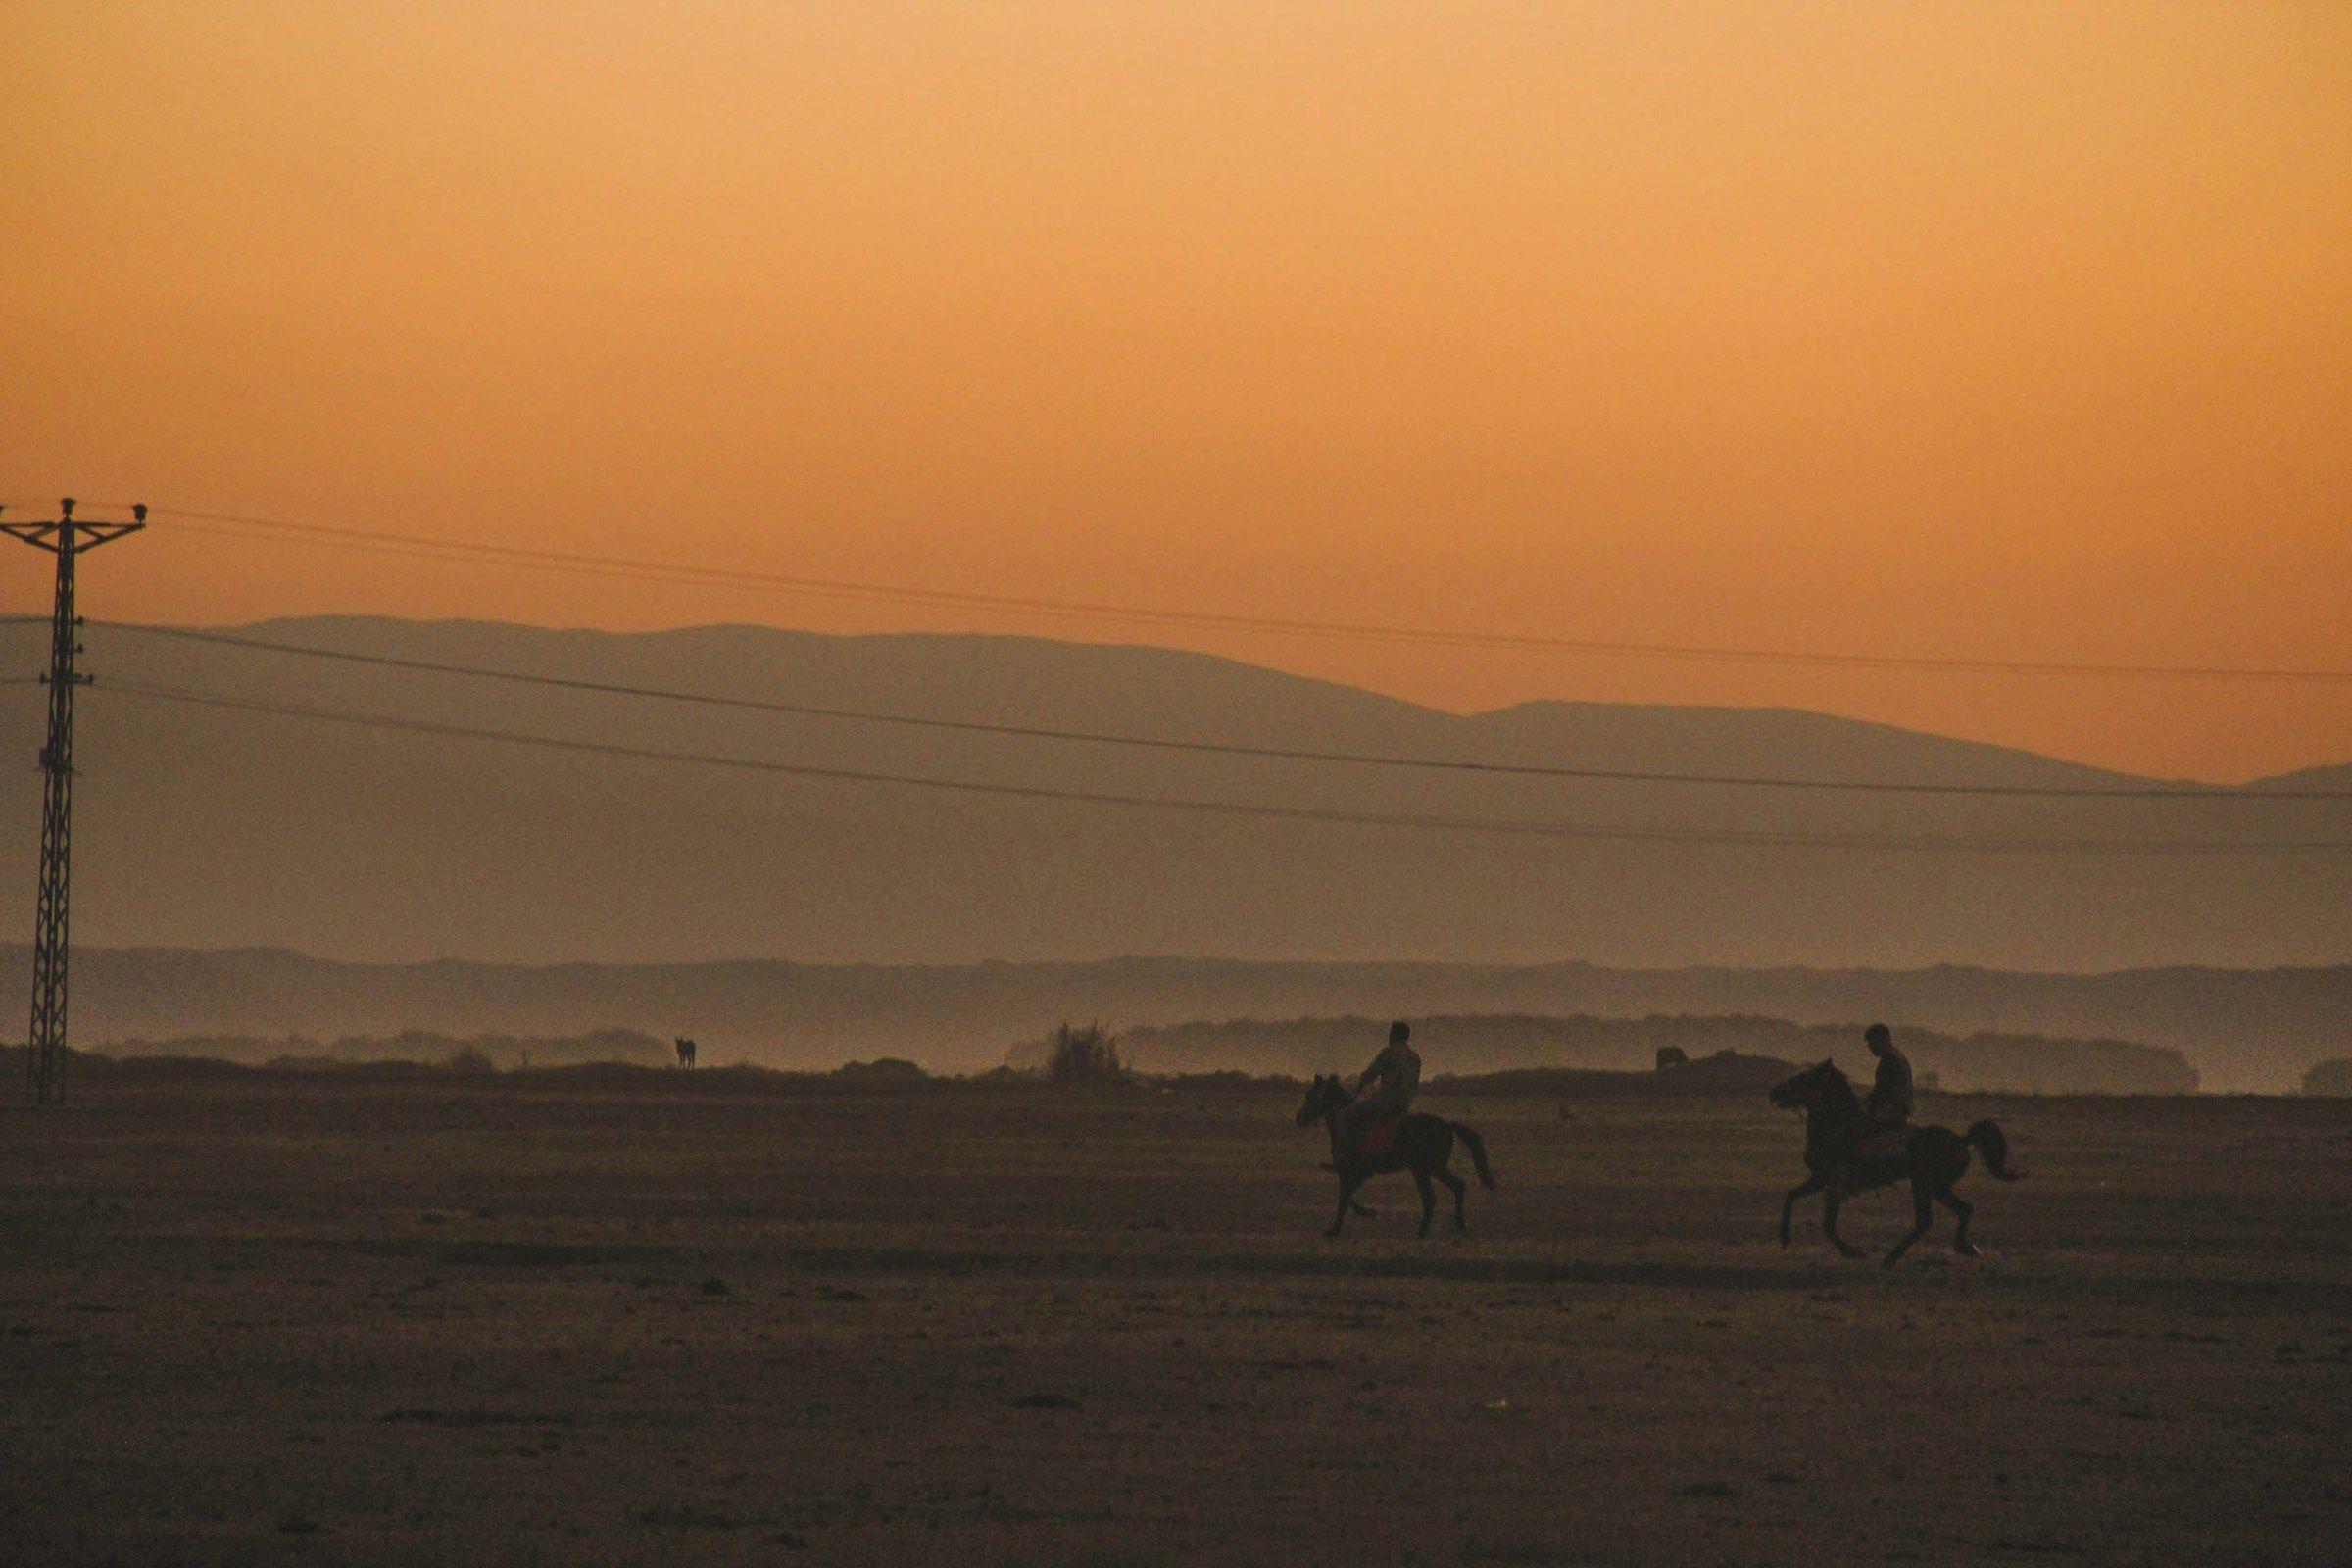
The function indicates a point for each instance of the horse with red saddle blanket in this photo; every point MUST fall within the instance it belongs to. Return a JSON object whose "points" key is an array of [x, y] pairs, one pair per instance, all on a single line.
{"points": [[1420, 1144]]}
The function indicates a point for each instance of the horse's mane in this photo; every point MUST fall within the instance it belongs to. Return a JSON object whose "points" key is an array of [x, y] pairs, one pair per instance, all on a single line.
{"points": [[1332, 1087], [1831, 1084]]}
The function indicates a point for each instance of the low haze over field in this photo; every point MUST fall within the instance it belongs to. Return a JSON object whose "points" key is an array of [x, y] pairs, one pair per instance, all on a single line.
{"points": [[205, 826]]}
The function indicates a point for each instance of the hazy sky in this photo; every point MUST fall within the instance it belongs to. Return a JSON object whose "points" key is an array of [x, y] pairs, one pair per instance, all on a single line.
{"points": [[1994, 330]]}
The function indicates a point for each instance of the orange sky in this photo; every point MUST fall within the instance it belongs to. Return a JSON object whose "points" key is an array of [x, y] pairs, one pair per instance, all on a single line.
{"points": [[2015, 331]]}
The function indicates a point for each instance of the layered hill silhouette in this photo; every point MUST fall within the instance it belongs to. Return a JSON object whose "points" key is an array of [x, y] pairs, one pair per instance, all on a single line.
{"points": [[206, 827], [2236, 1030]]}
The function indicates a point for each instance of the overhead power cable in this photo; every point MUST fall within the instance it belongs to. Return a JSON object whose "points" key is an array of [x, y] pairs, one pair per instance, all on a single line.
{"points": [[1230, 748], [1290, 814], [560, 560]]}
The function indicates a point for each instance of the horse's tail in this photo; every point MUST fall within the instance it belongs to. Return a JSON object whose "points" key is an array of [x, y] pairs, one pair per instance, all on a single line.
{"points": [[1478, 1153], [1986, 1139]]}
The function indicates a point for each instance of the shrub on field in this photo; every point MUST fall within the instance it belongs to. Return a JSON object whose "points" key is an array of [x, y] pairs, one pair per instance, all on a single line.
{"points": [[470, 1059], [1088, 1056]]}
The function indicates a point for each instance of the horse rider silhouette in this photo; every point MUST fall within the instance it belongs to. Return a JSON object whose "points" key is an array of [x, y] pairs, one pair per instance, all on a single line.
{"points": [[1397, 1070], [1888, 1108]]}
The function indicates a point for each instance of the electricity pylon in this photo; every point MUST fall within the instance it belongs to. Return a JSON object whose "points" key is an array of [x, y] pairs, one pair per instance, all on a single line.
{"points": [[66, 539]]}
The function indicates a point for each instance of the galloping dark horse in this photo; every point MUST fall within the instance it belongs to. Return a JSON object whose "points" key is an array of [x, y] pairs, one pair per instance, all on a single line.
{"points": [[1933, 1159], [1423, 1145]]}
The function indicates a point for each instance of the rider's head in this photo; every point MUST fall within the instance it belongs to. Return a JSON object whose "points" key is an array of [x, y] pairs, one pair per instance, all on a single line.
{"points": [[1879, 1038], [1399, 1032]]}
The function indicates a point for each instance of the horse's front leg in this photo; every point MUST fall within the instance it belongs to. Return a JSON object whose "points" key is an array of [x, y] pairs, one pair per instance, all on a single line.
{"points": [[1350, 1181], [1830, 1206], [1804, 1189]]}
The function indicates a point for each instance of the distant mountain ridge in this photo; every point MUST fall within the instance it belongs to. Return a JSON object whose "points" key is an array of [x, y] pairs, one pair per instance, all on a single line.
{"points": [[207, 828], [1734, 740], [2339, 777]]}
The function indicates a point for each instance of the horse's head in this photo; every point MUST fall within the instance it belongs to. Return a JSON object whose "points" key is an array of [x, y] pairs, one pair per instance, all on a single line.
{"points": [[1808, 1087], [1323, 1097]]}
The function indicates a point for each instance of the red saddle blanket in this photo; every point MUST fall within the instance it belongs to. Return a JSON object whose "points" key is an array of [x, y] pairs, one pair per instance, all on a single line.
{"points": [[1883, 1144], [1376, 1139]]}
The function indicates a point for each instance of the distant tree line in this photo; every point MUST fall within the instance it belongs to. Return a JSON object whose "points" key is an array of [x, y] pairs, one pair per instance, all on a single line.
{"points": [[1483, 1043], [485, 1053]]}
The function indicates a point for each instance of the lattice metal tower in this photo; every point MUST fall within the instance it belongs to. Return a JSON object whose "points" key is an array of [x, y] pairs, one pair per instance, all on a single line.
{"points": [[66, 539]]}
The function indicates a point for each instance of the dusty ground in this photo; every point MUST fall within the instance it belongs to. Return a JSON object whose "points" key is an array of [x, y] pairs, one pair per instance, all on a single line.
{"points": [[287, 1322]]}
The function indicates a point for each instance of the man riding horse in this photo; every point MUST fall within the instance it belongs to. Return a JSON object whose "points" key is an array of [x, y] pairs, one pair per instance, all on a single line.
{"points": [[1886, 1110], [1374, 1135], [1853, 1144]]}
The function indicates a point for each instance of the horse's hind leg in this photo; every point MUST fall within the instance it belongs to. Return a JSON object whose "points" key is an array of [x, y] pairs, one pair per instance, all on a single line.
{"points": [[1830, 1206], [1923, 1215], [1461, 1220], [1429, 1199], [1965, 1211]]}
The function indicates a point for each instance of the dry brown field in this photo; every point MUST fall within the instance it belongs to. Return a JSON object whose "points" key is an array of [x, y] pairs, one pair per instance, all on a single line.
{"points": [[690, 1320]]}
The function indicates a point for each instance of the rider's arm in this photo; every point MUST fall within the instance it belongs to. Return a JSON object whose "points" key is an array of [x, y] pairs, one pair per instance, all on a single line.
{"points": [[1379, 1065]]}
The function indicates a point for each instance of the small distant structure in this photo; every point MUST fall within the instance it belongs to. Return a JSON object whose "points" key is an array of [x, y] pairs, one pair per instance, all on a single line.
{"points": [[685, 1052], [883, 1072], [1672, 1057], [2329, 1078]]}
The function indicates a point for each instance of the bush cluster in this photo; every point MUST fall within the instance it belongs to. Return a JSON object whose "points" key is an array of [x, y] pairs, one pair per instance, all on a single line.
{"points": [[1088, 1056]]}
